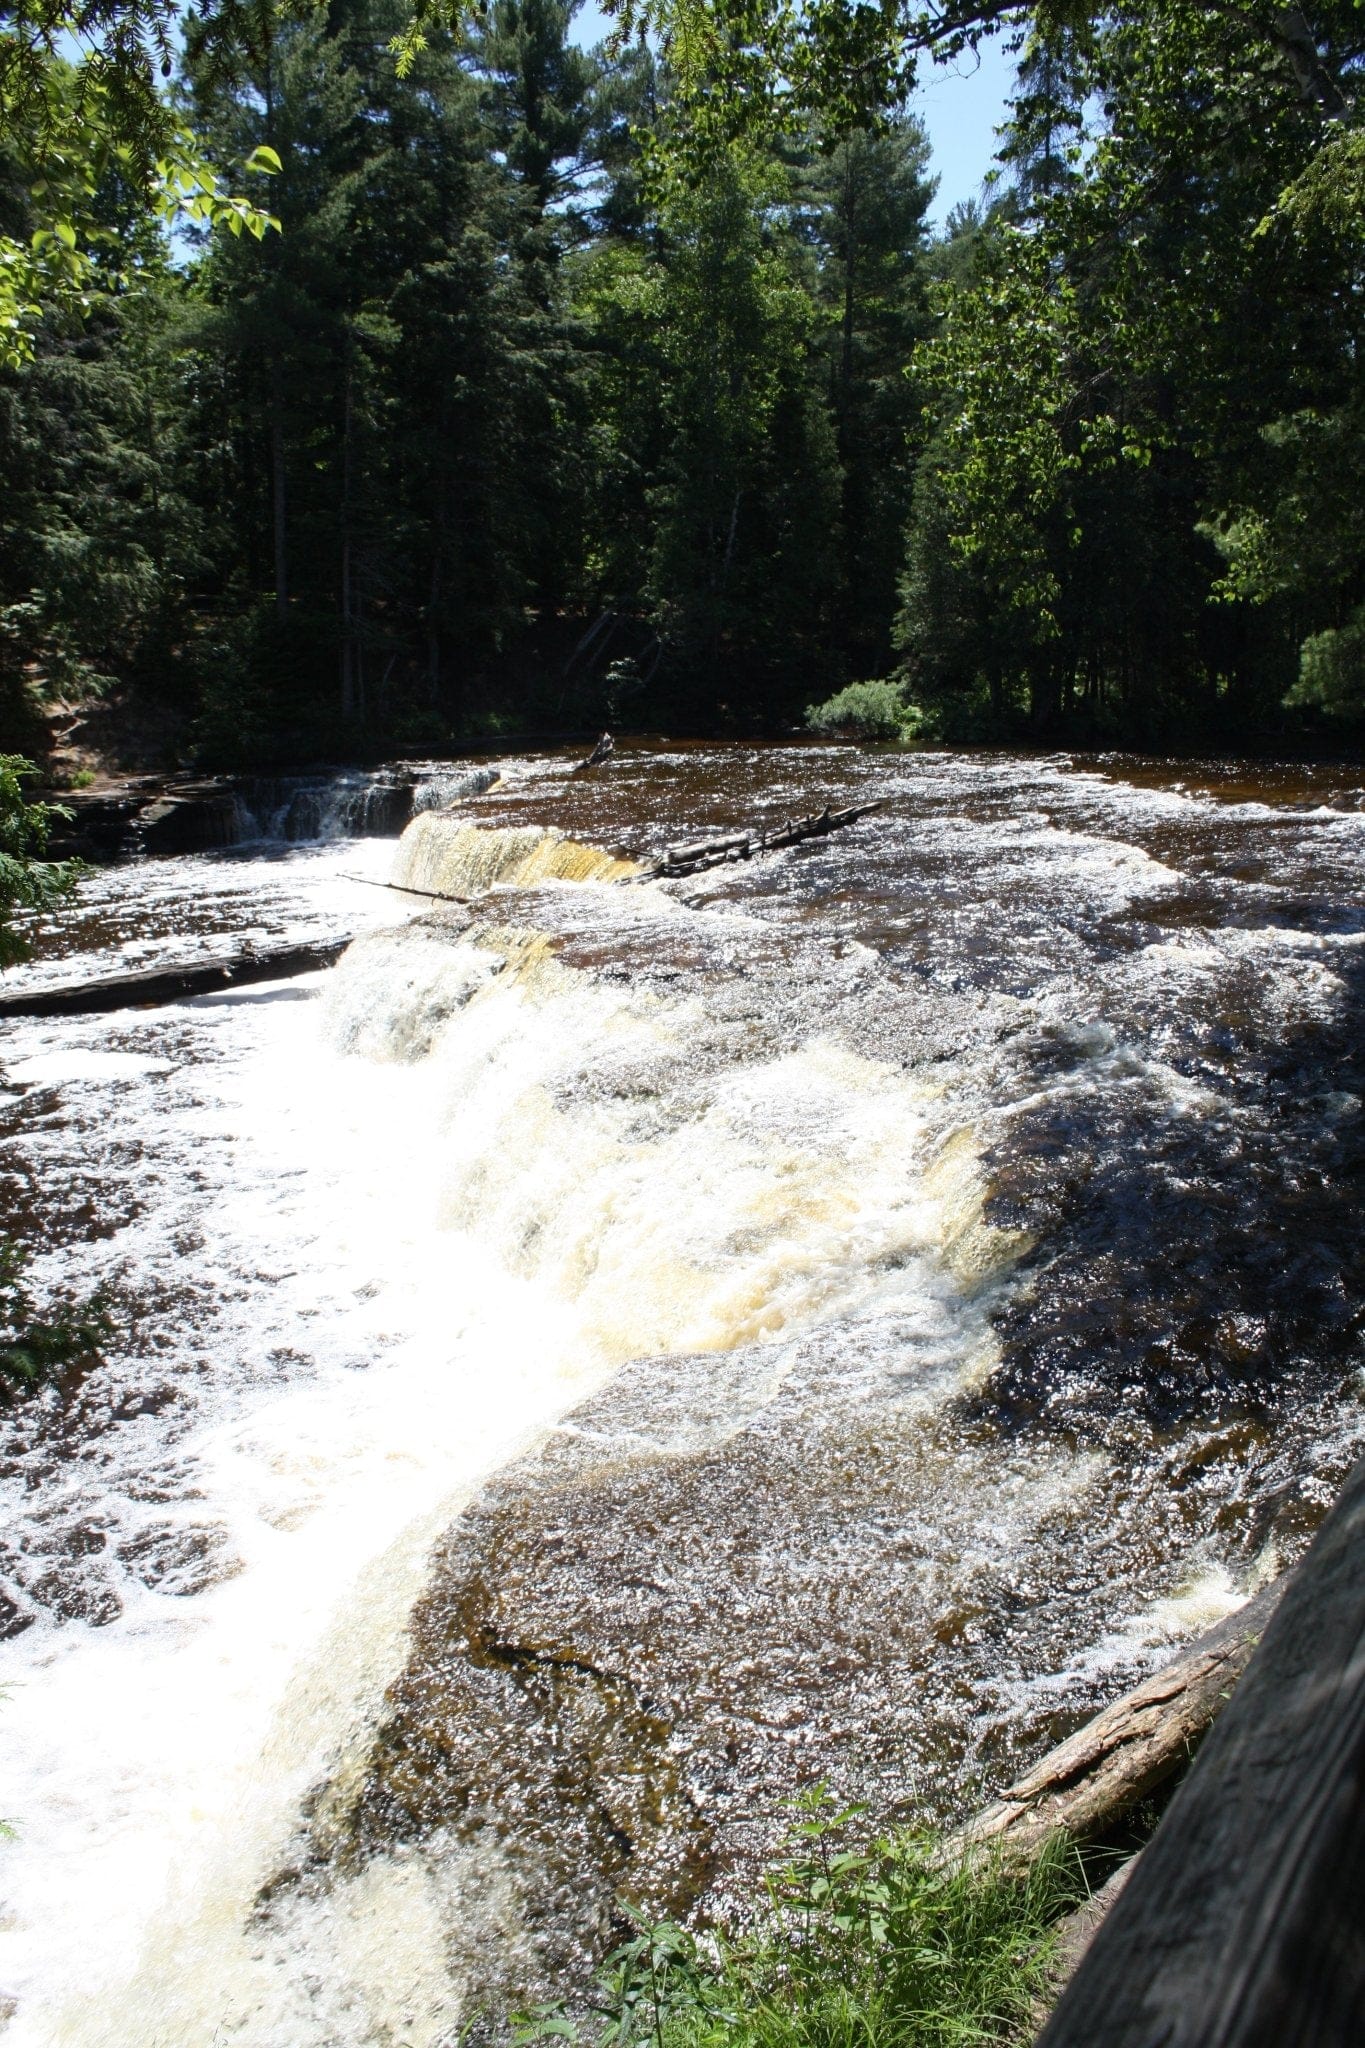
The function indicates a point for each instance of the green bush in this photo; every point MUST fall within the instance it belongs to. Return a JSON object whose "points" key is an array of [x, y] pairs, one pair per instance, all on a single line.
{"points": [[1332, 671], [899, 1945], [867, 711], [27, 882]]}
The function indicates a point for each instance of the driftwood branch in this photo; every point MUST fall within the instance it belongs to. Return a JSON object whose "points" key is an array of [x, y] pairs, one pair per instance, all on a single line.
{"points": [[599, 756], [98, 993], [700, 854], [1241, 1926], [406, 888], [1096, 1777]]}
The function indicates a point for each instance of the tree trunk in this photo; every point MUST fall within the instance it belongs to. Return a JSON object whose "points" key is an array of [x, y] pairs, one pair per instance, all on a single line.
{"points": [[732, 846], [349, 690], [277, 486], [172, 983], [730, 542], [433, 599]]}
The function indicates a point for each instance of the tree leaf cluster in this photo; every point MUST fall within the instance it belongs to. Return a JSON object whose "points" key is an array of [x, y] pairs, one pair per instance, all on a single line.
{"points": [[494, 386], [29, 884], [1147, 393]]}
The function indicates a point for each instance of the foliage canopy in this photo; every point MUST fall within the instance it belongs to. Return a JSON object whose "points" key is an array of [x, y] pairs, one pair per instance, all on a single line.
{"points": [[634, 383]]}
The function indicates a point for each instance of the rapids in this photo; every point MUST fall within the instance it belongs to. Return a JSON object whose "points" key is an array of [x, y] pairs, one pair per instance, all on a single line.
{"points": [[612, 1353]]}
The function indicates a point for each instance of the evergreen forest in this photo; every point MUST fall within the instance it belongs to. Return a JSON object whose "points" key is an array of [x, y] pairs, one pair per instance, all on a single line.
{"points": [[547, 396]]}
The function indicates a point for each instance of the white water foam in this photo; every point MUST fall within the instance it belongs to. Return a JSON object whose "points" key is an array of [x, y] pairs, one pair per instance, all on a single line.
{"points": [[455, 1247], [154, 1764]]}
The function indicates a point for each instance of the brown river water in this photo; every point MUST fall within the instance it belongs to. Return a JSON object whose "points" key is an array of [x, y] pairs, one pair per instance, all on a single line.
{"points": [[612, 1354]]}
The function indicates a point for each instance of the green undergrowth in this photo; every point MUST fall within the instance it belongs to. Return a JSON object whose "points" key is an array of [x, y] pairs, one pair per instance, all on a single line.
{"points": [[895, 1945]]}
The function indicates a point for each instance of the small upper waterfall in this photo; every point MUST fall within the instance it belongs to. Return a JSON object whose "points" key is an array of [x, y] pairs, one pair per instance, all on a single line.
{"points": [[295, 808], [443, 856]]}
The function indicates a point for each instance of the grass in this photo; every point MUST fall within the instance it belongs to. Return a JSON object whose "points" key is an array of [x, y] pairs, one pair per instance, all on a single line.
{"points": [[895, 1945]]}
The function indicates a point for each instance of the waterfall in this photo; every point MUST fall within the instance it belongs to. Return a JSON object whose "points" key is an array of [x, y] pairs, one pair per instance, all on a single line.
{"points": [[295, 808], [490, 1180], [443, 857], [604, 1357]]}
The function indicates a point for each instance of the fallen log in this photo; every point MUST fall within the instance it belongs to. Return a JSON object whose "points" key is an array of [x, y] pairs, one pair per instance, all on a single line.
{"points": [[96, 994], [1241, 1926], [1087, 1785], [699, 854]]}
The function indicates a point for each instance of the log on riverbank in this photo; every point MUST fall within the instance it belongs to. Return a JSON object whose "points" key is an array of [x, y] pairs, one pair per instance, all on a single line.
{"points": [[694, 858], [1241, 1926], [93, 995], [1093, 1780]]}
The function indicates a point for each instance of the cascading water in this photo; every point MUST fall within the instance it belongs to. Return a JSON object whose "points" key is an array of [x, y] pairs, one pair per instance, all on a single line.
{"points": [[613, 1353], [293, 809]]}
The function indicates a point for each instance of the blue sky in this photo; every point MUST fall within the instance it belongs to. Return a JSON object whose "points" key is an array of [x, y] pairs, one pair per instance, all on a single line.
{"points": [[960, 106]]}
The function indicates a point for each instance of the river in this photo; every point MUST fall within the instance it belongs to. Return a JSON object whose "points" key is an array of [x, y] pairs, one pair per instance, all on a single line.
{"points": [[600, 1360]]}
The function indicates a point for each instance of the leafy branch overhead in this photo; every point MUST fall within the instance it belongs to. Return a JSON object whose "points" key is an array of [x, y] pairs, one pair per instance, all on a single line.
{"points": [[83, 113]]}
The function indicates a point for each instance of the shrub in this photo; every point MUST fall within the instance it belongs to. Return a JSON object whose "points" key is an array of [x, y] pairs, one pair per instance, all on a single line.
{"points": [[1332, 671], [27, 882], [867, 711]]}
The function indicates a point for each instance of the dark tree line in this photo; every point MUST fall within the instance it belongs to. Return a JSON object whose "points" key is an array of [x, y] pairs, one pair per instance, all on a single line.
{"points": [[530, 416]]}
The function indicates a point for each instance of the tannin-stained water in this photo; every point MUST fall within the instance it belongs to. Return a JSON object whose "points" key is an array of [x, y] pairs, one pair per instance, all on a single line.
{"points": [[611, 1354]]}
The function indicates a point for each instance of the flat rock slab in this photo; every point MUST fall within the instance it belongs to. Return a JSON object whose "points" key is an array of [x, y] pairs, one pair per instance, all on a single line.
{"points": [[90, 995], [722, 1580]]}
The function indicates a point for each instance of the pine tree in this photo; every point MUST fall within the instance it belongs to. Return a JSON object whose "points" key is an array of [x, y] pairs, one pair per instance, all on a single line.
{"points": [[95, 542], [744, 565], [396, 387], [866, 202]]}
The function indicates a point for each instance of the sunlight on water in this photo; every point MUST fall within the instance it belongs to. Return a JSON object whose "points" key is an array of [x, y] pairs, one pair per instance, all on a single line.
{"points": [[825, 1305]]}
